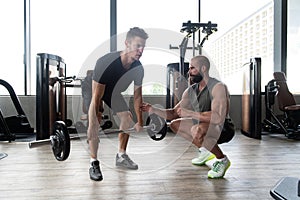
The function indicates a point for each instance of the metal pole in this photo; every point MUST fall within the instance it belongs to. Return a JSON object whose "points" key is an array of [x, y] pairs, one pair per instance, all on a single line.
{"points": [[113, 25], [280, 35], [199, 32], [27, 48]]}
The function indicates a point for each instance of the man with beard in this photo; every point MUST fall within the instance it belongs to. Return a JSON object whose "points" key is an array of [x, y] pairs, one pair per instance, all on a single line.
{"points": [[200, 115]]}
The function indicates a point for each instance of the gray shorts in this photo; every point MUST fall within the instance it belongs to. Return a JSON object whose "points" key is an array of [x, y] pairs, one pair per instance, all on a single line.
{"points": [[117, 103]]}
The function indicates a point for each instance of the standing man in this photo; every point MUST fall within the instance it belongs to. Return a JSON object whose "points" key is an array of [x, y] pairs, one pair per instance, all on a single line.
{"points": [[113, 73], [199, 116]]}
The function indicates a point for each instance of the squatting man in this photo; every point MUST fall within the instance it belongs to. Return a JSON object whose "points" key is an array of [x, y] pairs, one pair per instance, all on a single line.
{"points": [[199, 116]]}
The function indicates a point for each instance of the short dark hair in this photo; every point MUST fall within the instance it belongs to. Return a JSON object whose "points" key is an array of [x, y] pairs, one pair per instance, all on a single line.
{"points": [[136, 32]]}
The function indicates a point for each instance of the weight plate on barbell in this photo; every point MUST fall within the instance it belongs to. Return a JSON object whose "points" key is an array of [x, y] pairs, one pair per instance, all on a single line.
{"points": [[157, 127], [60, 141]]}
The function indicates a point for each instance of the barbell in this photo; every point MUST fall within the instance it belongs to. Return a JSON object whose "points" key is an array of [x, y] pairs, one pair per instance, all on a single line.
{"points": [[59, 140], [156, 128]]}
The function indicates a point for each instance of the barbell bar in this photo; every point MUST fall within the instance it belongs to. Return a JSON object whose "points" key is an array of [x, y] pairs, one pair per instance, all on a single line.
{"points": [[59, 141], [60, 131], [156, 128]]}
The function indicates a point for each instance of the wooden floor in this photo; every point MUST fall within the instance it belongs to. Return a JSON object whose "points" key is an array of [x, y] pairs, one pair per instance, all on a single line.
{"points": [[165, 170]]}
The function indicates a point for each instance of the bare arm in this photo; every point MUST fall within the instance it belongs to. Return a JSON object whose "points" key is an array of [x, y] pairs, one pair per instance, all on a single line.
{"points": [[169, 114], [138, 100], [95, 115], [219, 104]]}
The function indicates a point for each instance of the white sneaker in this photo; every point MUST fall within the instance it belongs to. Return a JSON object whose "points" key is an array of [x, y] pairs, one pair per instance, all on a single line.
{"points": [[219, 168], [204, 156], [211, 162]]}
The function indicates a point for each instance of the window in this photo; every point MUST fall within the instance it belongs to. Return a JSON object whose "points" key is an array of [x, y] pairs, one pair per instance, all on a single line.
{"points": [[246, 25], [293, 46], [69, 29], [12, 45]]}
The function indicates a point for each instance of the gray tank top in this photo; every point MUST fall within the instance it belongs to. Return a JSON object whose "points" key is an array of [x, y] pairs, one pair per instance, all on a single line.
{"points": [[201, 100]]}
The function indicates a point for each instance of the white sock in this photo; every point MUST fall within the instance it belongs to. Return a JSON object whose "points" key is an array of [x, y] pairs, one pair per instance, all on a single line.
{"points": [[92, 160], [203, 149], [223, 159], [121, 153]]}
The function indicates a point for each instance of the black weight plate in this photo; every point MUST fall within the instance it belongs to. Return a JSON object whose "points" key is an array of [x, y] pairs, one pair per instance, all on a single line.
{"points": [[158, 127], [60, 141], [106, 125]]}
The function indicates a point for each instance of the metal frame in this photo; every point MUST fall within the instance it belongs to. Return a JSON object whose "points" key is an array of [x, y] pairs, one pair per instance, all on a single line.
{"points": [[43, 125]]}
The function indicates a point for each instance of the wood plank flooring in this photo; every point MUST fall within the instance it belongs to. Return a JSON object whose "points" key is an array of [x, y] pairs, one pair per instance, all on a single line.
{"points": [[165, 170]]}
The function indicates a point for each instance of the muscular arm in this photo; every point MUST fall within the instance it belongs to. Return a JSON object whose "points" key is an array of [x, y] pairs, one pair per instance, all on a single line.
{"points": [[169, 114], [219, 104], [95, 115], [138, 100]]}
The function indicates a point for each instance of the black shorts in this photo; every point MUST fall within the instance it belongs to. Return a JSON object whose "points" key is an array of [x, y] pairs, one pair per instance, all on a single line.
{"points": [[227, 133]]}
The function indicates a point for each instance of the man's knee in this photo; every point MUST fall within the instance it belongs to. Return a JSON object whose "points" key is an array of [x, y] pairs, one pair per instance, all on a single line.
{"points": [[197, 132], [126, 120]]}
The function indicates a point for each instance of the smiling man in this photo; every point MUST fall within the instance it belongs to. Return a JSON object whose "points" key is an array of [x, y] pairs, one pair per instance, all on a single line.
{"points": [[113, 73]]}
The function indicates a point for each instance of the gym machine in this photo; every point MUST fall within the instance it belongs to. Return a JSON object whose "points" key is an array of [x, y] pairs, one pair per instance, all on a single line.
{"points": [[51, 103], [50, 93], [251, 100], [177, 72], [14, 126], [172, 83], [286, 123]]}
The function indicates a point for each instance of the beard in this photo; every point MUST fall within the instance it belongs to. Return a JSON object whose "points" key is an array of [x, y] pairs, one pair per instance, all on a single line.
{"points": [[196, 78]]}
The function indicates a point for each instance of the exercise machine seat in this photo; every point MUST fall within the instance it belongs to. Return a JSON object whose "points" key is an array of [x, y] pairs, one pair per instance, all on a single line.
{"points": [[286, 100]]}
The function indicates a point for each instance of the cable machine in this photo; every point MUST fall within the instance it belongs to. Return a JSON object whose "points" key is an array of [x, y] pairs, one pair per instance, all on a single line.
{"points": [[50, 93], [177, 72]]}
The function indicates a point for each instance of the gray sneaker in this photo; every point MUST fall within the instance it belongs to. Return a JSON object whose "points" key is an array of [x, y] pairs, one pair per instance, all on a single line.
{"points": [[125, 161], [95, 172]]}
